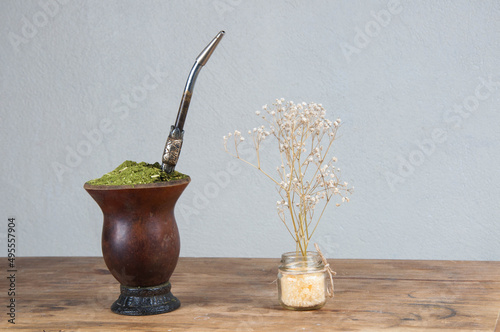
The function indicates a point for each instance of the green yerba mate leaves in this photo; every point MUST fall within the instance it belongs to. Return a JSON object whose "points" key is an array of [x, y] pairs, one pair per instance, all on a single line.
{"points": [[131, 173]]}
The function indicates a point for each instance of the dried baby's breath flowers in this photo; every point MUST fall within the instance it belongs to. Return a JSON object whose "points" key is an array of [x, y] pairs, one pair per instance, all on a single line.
{"points": [[307, 178]]}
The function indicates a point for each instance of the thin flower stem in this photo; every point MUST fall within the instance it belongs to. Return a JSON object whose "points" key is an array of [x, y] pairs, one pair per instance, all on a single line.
{"points": [[284, 222], [290, 202], [297, 127], [320, 216]]}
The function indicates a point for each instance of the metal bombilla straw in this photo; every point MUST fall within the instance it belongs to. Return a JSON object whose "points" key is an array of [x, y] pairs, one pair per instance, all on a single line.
{"points": [[174, 141]]}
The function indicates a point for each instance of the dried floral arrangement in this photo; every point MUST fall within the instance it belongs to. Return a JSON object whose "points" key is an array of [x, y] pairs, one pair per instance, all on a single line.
{"points": [[307, 179]]}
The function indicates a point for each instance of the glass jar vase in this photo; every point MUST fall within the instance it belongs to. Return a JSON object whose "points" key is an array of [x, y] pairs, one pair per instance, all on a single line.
{"points": [[302, 281]]}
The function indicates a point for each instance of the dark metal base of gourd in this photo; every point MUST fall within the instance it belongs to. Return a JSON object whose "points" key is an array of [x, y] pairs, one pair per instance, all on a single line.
{"points": [[142, 301]]}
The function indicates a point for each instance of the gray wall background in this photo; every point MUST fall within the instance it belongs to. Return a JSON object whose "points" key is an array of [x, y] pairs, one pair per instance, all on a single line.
{"points": [[85, 85]]}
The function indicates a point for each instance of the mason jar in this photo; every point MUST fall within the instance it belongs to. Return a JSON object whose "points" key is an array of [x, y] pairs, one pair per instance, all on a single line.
{"points": [[302, 281]]}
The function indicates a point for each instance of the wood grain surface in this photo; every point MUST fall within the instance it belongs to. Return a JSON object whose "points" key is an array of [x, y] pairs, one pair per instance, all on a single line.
{"points": [[239, 294]]}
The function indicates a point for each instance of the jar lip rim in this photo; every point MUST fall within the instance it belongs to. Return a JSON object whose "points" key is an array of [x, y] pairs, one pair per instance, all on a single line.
{"points": [[299, 254], [293, 261]]}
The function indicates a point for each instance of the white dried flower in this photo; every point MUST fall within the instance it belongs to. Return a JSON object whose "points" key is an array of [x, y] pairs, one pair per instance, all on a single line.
{"points": [[305, 181]]}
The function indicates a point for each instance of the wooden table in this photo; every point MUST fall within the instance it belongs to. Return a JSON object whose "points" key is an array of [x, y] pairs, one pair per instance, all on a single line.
{"points": [[239, 294]]}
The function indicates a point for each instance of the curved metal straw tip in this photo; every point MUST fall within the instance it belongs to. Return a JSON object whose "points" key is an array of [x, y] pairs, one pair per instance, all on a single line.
{"points": [[207, 52], [174, 140]]}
